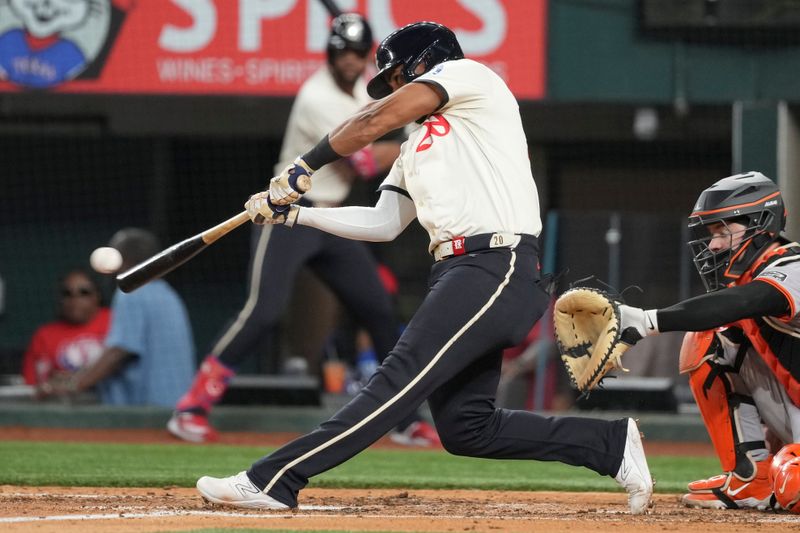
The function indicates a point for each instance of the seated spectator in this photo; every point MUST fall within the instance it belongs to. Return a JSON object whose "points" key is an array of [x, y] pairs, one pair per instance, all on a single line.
{"points": [[74, 340], [148, 358]]}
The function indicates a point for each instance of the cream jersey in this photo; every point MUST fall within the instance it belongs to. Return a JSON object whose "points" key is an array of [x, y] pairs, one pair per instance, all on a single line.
{"points": [[319, 107], [467, 167]]}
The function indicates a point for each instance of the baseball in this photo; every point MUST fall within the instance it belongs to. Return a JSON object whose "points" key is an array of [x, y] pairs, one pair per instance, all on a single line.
{"points": [[106, 260]]}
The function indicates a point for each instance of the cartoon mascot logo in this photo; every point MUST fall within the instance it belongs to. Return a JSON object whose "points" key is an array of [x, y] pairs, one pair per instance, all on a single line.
{"points": [[44, 43]]}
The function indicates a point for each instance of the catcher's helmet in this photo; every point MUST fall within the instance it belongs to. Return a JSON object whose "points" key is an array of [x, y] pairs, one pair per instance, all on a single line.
{"points": [[750, 199], [349, 31], [787, 485], [425, 43]]}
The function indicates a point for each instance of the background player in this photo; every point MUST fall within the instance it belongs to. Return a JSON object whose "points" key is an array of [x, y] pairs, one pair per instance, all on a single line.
{"points": [[465, 174], [742, 360], [329, 96]]}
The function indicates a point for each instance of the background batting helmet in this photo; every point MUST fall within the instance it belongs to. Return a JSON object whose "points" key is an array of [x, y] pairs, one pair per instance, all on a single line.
{"points": [[426, 43], [349, 31], [751, 199]]}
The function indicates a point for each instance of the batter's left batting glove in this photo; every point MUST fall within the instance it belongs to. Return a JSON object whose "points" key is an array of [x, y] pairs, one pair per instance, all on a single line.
{"points": [[293, 181], [261, 210]]}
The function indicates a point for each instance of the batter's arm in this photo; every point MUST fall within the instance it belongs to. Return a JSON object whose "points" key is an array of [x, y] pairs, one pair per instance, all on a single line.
{"points": [[405, 105], [384, 222]]}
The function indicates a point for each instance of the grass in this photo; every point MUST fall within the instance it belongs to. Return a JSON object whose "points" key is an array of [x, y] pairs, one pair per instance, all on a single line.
{"points": [[156, 465]]}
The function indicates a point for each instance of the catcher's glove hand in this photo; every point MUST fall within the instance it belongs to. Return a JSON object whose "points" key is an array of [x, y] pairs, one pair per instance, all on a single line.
{"points": [[588, 333]]}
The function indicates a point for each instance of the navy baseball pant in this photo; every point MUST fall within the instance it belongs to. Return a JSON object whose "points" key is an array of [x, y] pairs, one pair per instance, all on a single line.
{"points": [[450, 354]]}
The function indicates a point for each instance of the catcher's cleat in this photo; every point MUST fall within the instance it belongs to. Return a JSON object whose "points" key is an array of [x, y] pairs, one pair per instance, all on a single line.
{"points": [[726, 491], [192, 427], [236, 491], [634, 475], [416, 434]]}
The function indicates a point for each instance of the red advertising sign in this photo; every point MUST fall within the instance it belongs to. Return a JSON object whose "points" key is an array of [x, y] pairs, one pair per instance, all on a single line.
{"points": [[258, 47]]}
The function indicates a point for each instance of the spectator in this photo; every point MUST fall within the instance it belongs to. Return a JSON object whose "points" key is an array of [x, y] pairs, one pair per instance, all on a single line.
{"points": [[74, 340], [148, 357]]}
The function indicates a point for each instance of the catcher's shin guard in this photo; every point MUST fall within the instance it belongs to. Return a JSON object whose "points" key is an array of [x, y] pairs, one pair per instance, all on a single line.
{"points": [[722, 408], [210, 383]]}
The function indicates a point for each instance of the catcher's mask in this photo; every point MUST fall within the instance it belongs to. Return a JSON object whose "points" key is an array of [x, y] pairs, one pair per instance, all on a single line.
{"points": [[349, 31], [750, 199], [420, 43]]}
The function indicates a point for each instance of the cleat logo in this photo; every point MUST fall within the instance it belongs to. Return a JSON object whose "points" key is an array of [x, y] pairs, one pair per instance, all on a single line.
{"points": [[734, 492], [246, 489], [782, 488], [625, 469]]}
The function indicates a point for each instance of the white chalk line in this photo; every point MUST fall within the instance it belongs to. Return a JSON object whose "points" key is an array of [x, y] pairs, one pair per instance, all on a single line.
{"points": [[284, 515]]}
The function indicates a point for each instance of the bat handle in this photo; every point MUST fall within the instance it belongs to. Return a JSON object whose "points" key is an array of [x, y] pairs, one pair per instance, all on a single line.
{"points": [[212, 234]]}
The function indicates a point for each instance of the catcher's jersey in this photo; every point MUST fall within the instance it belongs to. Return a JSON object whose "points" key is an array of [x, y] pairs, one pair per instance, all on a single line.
{"points": [[319, 107], [467, 167], [777, 339]]}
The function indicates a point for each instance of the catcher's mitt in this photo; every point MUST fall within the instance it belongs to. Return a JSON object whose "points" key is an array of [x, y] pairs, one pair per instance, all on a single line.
{"points": [[587, 324]]}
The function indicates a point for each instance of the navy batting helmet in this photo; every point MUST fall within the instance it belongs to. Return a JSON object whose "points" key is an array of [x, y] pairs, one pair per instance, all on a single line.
{"points": [[420, 43], [349, 31], [750, 199]]}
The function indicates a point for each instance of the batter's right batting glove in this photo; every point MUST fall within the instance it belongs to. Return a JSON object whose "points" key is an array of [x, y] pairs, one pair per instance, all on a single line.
{"points": [[261, 210], [293, 181]]}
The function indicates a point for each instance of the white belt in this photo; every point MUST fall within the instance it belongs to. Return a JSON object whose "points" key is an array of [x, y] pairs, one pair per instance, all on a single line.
{"points": [[462, 245]]}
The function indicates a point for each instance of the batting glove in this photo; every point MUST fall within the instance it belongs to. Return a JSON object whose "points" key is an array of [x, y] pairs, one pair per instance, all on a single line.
{"points": [[261, 210], [637, 324], [293, 181]]}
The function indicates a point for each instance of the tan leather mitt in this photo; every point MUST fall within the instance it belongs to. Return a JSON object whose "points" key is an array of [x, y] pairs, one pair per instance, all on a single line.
{"points": [[587, 324]]}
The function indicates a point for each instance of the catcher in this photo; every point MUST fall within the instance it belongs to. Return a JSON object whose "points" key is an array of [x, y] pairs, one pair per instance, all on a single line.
{"points": [[743, 352]]}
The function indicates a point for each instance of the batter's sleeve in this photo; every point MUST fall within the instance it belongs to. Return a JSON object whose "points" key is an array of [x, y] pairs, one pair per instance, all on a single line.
{"points": [[390, 216]]}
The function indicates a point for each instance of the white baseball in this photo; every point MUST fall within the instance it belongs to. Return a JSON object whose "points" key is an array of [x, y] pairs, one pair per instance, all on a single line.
{"points": [[106, 260]]}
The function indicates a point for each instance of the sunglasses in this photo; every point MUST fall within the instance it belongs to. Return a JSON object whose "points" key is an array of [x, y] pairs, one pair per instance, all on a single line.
{"points": [[74, 293]]}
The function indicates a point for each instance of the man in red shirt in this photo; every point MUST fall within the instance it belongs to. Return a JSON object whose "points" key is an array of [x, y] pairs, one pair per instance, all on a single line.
{"points": [[75, 339]]}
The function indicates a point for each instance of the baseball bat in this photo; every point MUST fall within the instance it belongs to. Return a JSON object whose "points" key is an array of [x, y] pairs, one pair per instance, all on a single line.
{"points": [[168, 260], [332, 8]]}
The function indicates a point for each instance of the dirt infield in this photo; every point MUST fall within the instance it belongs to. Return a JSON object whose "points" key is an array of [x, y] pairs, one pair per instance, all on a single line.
{"points": [[90, 510]]}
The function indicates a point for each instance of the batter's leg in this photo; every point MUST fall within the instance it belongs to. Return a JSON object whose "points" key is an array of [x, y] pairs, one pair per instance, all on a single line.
{"points": [[453, 327], [470, 424]]}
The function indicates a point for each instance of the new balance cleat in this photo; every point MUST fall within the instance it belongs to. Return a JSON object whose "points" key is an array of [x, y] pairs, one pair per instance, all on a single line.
{"points": [[634, 475], [236, 491]]}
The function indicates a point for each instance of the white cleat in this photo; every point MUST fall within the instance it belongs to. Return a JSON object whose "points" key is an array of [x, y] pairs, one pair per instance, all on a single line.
{"points": [[236, 491], [634, 475]]}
